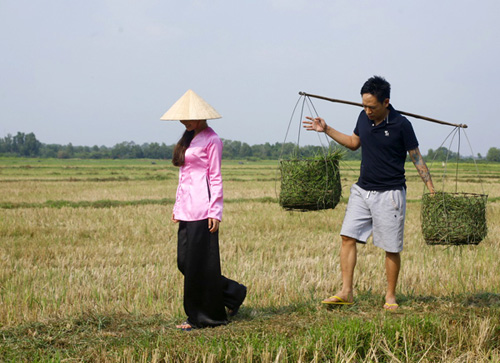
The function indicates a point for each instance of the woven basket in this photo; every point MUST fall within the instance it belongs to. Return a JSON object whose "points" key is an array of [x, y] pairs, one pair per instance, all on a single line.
{"points": [[310, 184], [454, 218]]}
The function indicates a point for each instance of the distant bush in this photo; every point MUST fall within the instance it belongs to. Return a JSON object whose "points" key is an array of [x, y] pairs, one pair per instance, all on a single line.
{"points": [[27, 145]]}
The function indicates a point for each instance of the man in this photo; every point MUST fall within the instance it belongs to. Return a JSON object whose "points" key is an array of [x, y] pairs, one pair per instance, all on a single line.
{"points": [[377, 202]]}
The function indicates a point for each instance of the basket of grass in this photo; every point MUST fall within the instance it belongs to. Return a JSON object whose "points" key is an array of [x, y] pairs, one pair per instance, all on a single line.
{"points": [[454, 218], [312, 183]]}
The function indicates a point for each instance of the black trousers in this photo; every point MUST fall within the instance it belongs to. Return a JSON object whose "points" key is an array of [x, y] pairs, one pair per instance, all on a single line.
{"points": [[206, 291]]}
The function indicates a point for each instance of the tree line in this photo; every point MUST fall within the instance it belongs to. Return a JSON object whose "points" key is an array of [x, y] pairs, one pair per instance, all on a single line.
{"points": [[27, 145]]}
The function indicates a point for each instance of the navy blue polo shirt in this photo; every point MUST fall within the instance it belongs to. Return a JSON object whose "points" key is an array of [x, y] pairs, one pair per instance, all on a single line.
{"points": [[383, 151]]}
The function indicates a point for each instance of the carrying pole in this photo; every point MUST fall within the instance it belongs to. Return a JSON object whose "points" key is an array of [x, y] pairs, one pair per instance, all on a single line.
{"points": [[464, 126]]}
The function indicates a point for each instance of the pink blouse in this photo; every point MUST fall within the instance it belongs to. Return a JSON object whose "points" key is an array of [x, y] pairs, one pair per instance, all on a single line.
{"points": [[199, 193]]}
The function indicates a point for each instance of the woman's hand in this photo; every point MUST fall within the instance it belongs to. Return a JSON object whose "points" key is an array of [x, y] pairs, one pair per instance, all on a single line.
{"points": [[173, 219], [213, 225]]}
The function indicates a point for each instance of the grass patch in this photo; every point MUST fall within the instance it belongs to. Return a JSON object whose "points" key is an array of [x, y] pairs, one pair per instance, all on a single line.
{"points": [[89, 273], [312, 183], [422, 330], [454, 218]]}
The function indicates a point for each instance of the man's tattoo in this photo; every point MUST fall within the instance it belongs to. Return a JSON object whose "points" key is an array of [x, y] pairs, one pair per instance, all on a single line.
{"points": [[419, 162], [416, 157], [424, 173]]}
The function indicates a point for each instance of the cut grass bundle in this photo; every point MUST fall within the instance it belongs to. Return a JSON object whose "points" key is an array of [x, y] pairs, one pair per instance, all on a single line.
{"points": [[311, 184], [454, 218]]}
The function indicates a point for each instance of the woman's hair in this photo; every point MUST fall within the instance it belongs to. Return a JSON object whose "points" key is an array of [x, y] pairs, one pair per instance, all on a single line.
{"points": [[181, 147]]}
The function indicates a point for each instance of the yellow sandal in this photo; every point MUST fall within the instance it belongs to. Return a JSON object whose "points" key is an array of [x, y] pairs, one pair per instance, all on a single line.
{"points": [[339, 301]]}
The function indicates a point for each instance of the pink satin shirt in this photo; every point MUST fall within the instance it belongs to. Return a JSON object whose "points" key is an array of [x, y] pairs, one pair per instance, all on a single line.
{"points": [[199, 193]]}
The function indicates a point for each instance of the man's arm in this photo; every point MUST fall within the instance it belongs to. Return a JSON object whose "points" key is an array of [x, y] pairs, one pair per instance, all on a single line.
{"points": [[422, 169], [319, 125]]}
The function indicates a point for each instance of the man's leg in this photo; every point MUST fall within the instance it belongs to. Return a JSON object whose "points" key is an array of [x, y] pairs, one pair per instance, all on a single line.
{"points": [[348, 257], [357, 225], [392, 267]]}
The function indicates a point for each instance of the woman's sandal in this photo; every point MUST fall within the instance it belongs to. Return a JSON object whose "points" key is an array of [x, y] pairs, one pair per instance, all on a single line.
{"points": [[185, 326]]}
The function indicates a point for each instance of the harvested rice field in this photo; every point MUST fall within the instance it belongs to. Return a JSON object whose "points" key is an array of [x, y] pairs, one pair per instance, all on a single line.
{"points": [[88, 271]]}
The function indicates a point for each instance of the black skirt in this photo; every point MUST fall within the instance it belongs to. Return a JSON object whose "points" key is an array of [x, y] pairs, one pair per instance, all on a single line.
{"points": [[206, 292]]}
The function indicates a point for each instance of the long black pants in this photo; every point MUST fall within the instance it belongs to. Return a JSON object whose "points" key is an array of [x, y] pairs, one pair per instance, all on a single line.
{"points": [[206, 291]]}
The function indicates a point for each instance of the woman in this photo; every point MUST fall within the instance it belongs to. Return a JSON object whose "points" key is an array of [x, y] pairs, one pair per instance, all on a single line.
{"points": [[198, 210]]}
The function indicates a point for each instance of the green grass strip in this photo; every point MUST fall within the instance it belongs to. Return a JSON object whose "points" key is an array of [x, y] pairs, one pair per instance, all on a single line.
{"points": [[86, 204], [164, 201], [106, 203]]}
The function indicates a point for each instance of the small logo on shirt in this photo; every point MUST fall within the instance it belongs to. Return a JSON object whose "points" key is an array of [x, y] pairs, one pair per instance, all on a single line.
{"points": [[386, 133]]}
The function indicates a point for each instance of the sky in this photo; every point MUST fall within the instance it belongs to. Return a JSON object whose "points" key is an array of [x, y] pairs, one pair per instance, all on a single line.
{"points": [[101, 72]]}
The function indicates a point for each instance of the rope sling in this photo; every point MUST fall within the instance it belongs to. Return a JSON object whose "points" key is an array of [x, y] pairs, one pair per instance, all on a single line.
{"points": [[454, 218], [313, 182]]}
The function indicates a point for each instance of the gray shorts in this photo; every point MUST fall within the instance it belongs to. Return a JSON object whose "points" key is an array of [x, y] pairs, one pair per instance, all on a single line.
{"points": [[379, 213]]}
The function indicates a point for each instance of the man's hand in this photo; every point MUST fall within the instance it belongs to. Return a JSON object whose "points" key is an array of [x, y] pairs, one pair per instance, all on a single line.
{"points": [[315, 124]]}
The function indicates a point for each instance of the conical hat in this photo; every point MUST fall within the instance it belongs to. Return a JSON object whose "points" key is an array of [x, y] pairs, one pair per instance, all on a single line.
{"points": [[190, 107]]}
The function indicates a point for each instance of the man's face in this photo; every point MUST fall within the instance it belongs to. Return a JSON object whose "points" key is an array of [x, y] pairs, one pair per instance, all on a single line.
{"points": [[375, 110]]}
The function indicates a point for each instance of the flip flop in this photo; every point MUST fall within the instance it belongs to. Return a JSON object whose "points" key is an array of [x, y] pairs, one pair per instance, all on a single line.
{"points": [[391, 307], [339, 301]]}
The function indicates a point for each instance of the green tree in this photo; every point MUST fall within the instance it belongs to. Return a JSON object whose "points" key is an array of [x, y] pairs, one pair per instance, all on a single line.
{"points": [[166, 152], [70, 150], [152, 151], [245, 150], [6, 144], [122, 150], [25, 145], [493, 155], [50, 151], [32, 145], [441, 154]]}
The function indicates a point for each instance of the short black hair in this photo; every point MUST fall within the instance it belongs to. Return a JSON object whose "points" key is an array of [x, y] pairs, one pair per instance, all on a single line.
{"points": [[378, 87]]}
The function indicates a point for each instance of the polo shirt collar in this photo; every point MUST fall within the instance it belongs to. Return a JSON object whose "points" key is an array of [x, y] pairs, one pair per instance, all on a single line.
{"points": [[387, 120]]}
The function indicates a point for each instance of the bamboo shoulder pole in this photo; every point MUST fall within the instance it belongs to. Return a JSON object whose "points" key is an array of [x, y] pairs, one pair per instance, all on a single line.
{"points": [[464, 126]]}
